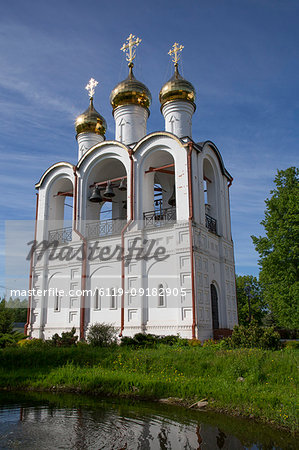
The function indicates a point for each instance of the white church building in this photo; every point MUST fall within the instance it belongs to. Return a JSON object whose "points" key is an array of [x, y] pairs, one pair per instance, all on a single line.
{"points": [[148, 247]]}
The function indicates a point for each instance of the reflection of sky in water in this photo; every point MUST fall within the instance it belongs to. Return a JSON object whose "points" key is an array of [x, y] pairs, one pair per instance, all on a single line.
{"points": [[116, 425]]}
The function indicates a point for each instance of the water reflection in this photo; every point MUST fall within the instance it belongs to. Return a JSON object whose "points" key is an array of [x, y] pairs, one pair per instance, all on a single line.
{"points": [[51, 421]]}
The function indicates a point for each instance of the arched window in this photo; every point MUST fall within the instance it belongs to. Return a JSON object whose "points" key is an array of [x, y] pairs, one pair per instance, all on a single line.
{"points": [[210, 196], [60, 210], [214, 303], [159, 193]]}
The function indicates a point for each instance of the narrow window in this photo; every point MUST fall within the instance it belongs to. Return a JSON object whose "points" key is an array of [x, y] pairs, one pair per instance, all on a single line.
{"points": [[97, 300], [161, 295], [112, 299], [205, 184], [56, 304]]}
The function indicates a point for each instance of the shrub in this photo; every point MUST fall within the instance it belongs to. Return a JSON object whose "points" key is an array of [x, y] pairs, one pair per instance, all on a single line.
{"points": [[101, 335], [31, 343], [223, 344], [10, 339], [67, 338], [152, 340], [292, 345], [194, 342], [140, 340], [254, 336], [177, 340], [7, 340]]}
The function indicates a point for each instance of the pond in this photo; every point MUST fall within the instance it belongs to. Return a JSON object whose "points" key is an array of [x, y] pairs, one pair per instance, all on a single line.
{"points": [[69, 421]]}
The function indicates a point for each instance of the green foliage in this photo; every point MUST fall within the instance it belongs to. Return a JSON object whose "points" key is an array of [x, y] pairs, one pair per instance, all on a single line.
{"points": [[257, 303], [254, 336], [101, 335], [67, 338], [19, 308], [222, 344], [33, 343], [151, 340], [279, 249], [6, 319], [293, 345], [10, 339], [6, 340], [266, 390]]}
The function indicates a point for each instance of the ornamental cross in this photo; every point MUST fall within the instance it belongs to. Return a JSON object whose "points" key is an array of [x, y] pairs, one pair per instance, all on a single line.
{"points": [[90, 87], [175, 52], [130, 48]]}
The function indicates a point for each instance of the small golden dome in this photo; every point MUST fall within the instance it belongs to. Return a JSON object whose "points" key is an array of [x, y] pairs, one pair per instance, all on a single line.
{"points": [[90, 121], [130, 91], [177, 88]]}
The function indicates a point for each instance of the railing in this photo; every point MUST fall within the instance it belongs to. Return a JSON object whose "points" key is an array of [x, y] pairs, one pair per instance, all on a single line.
{"points": [[61, 235], [159, 218], [104, 228], [211, 224]]}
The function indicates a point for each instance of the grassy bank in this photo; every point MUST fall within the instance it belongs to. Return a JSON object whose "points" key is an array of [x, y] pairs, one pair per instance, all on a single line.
{"points": [[254, 383]]}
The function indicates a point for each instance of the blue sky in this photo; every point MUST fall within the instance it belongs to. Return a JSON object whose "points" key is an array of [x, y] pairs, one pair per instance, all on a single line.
{"points": [[242, 57]]}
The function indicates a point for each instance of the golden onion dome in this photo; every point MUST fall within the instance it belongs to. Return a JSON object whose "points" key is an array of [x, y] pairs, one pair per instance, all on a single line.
{"points": [[130, 91], [177, 88], [90, 121]]}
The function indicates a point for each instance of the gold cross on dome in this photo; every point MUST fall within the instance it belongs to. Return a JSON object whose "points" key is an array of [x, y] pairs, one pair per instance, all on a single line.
{"points": [[90, 87], [130, 47], [174, 52]]}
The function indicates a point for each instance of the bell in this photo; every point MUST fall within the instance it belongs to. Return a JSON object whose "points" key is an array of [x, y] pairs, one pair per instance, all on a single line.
{"points": [[95, 195], [109, 191], [123, 185], [172, 201]]}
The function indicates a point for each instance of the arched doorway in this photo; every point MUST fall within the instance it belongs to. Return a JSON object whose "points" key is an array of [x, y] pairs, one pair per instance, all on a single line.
{"points": [[214, 302]]}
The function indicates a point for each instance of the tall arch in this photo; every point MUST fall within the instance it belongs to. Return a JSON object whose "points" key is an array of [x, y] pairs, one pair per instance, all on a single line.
{"points": [[214, 306], [59, 208], [211, 196]]}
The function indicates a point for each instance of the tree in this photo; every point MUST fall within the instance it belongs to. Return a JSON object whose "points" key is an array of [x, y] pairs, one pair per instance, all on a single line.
{"points": [[19, 308], [279, 249], [257, 303], [101, 335], [6, 318]]}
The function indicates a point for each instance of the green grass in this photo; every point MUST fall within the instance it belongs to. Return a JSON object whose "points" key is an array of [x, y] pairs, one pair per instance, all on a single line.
{"points": [[267, 392]]}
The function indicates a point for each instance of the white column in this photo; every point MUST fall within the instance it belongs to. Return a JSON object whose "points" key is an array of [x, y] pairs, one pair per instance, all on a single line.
{"points": [[130, 123], [178, 117], [86, 141]]}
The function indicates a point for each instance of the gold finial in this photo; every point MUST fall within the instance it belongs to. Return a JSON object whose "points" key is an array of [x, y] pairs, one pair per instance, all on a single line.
{"points": [[130, 48], [90, 87], [174, 52]]}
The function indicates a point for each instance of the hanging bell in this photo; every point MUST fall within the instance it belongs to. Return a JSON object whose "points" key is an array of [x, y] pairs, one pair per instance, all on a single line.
{"points": [[172, 201], [109, 191], [123, 185], [95, 195]]}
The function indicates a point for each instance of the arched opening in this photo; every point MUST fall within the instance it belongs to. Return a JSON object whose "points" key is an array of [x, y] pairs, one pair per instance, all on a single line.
{"points": [[60, 210], [159, 190], [210, 197], [214, 304], [106, 206]]}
